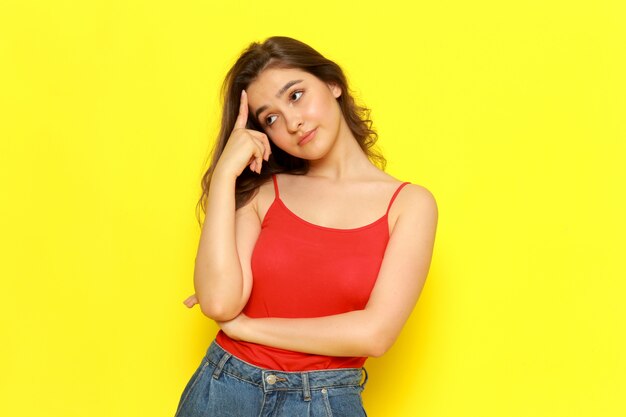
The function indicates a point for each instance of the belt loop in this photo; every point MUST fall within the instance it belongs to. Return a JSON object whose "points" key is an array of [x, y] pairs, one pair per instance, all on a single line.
{"points": [[220, 365], [365, 380], [305, 386]]}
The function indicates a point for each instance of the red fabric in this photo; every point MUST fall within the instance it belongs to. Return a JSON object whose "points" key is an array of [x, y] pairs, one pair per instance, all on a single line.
{"points": [[305, 270]]}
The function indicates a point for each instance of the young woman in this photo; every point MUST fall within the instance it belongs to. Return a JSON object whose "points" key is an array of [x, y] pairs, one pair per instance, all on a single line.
{"points": [[311, 257]]}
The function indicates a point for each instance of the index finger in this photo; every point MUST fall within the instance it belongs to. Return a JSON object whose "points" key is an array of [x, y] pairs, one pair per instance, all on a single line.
{"points": [[242, 118]]}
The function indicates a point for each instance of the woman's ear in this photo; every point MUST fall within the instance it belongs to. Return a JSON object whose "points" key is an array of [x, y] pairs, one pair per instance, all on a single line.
{"points": [[335, 89]]}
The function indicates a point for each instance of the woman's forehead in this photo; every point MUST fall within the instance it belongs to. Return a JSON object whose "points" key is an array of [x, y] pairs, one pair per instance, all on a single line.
{"points": [[274, 76]]}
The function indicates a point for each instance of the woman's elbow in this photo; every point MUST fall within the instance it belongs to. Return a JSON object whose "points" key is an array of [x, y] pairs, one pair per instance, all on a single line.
{"points": [[377, 349], [379, 343], [218, 311]]}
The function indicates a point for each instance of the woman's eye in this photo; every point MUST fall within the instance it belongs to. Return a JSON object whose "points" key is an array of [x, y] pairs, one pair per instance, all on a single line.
{"points": [[296, 92], [267, 122]]}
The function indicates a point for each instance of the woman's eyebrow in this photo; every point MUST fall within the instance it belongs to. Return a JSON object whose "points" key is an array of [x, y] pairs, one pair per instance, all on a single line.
{"points": [[280, 92]]}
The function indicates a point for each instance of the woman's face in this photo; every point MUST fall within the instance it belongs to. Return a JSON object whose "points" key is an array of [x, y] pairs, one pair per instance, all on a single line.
{"points": [[289, 104]]}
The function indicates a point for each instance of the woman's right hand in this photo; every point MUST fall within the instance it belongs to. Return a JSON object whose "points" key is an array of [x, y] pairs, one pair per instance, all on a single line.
{"points": [[245, 147]]}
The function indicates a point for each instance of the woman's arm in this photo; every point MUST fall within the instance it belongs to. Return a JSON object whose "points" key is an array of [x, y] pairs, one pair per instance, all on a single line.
{"points": [[222, 275], [373, 330]]}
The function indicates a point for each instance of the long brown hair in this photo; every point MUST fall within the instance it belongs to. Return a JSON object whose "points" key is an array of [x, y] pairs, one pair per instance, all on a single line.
{"points": [[282, 52]]}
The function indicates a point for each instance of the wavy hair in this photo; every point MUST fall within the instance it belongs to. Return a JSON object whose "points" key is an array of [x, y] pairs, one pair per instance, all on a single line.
{"points": [[282, 52]]}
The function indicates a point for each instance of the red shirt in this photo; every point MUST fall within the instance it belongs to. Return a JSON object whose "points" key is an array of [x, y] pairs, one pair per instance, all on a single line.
{"points": [[301, 270]]}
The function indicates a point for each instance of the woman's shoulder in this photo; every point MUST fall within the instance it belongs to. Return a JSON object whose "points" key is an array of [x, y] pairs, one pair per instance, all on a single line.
{"points": [[415, 191], [412, 189], [263, 197], [412, 199]]}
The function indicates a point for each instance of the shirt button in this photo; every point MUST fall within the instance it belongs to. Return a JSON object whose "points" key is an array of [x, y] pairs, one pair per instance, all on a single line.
{"points": [[270, 379], [324, 391]]}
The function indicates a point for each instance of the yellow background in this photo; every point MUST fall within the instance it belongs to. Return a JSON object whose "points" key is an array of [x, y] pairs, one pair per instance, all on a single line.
{"points": [[511, 114]]}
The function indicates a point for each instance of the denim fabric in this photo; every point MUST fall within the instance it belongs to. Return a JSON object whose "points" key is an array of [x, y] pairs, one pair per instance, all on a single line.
{"points": [[225, 386]]}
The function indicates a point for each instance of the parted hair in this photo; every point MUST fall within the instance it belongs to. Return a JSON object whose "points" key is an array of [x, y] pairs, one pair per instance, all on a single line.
{"points": [[282, 52]]}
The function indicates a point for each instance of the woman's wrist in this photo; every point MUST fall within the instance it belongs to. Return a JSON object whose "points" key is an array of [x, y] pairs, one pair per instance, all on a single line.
{"points": [[222, 174]]}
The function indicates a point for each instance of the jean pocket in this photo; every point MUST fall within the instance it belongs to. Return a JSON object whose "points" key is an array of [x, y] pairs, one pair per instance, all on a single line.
{"points": [[343, 401]]}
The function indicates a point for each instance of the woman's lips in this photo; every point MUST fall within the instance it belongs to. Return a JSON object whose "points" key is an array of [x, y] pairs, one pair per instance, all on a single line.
{"points": [[307, 138]]}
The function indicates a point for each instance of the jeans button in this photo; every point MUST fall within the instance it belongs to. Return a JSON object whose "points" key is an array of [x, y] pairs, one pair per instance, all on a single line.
{"points": [[270, 379]]}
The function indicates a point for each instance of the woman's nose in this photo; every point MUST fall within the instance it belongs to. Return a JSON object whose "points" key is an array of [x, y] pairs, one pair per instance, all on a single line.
{"points": [[294, 121]]}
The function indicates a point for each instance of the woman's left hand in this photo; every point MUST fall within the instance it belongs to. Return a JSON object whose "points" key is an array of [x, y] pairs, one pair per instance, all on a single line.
{"points": [[191, 301]]}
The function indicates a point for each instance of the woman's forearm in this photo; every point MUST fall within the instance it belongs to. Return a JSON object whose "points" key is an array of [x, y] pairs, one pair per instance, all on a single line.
{"points": [[355, 333], [218, 278]]}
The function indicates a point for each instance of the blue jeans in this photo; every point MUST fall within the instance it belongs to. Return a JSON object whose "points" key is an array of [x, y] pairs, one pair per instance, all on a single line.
{"points": [[225, 386]]}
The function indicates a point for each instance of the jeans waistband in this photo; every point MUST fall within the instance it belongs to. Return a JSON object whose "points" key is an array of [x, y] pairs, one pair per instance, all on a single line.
{"points": [[276, 380]]}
